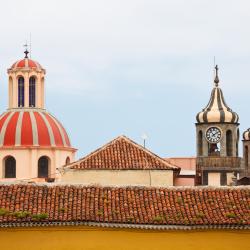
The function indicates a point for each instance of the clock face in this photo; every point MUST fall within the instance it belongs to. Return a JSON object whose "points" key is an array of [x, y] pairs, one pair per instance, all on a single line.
{"points": [[213, 135]]}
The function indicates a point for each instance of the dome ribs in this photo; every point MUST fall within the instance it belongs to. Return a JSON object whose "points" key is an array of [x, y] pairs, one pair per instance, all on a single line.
{"points": [[26, 63], [26, 132], [56, 131], [217, 110], [10, 133], [42, 130]]}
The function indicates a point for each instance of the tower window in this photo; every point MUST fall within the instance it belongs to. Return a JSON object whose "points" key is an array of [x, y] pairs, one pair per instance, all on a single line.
{"points": [[67, 161], [10, 167], [246, 156], [20, 92], [32, 91], [237, 143], [200, 144], [229, 143], [214, 149], [43, 167]]}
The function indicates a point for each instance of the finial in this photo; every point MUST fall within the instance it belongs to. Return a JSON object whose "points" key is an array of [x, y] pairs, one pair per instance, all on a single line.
{"points": [[26, 52], [216, 79]]}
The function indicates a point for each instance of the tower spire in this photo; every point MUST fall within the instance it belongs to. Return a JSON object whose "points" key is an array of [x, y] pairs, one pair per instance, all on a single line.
{"points": [[216, 79]]}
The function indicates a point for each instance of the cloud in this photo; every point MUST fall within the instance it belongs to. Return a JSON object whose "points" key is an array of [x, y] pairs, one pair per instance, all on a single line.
{"points": [[117, 53]]}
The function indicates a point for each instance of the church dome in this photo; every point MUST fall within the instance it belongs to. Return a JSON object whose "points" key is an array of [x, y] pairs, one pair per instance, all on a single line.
{"points": [[32, 128], [246, 135], [26, 63], [217, 110]]}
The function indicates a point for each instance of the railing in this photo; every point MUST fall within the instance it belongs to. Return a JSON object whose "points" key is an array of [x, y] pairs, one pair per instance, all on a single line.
{"points": [[220, 162]]}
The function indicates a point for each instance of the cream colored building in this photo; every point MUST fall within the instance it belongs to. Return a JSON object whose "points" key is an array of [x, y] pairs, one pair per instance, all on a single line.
{"points": [[121, 162]]}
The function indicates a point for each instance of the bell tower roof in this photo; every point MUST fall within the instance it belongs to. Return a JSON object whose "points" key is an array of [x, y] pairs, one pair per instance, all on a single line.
{"points": [[217, 111], [246, 135], [26, 64]]}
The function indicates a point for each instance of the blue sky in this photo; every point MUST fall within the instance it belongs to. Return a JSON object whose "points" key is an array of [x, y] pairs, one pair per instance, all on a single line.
{"points": [[132, 67]]}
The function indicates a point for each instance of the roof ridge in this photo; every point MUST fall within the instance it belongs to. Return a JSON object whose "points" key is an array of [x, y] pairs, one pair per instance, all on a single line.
{"points": [[95, 151], [184, 188], [151, 153], [129, 141]]}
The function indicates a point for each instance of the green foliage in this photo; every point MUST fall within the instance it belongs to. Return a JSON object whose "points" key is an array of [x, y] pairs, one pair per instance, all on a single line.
{"points": [[21, 214], [231, 215], [100, 212], [62, 209], [200, 215], [158, 219], [3, 211], [115, 212], [130, 219], [179, 200], [41, 216]]}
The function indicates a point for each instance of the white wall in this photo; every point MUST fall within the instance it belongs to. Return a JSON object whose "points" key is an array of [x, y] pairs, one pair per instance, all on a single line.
{"points": [[213, 179], [158, 178]]}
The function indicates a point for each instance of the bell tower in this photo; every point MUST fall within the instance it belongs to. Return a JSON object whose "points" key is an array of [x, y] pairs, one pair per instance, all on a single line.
{"points": [[217, 140], [26, 84]]}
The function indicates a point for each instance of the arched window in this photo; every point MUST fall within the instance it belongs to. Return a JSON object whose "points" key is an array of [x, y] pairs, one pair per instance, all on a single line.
{"points": [[43, 167], [10, 92], [214, 149], [237, 142], [67, 161], [246, 156], [200, 144], [229, 142], [10, 167], [20, 92], [32, 91]]}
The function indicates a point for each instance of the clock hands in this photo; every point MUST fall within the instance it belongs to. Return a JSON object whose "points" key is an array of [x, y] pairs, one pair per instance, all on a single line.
{"points": [[213, 135]]}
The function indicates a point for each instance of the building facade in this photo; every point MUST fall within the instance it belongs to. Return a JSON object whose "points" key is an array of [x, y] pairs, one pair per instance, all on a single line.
{"points": [[121, 162]]}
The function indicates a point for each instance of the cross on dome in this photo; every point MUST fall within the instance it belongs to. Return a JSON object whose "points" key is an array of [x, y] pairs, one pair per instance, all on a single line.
{"points": [[26, 52], [216, 79]]}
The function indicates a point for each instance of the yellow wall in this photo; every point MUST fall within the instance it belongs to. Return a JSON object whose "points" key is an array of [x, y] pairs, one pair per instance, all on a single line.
{"points": [[71, 238]]}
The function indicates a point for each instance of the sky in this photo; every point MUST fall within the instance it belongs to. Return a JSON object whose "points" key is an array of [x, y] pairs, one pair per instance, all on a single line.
{"points": [[131, 67]]}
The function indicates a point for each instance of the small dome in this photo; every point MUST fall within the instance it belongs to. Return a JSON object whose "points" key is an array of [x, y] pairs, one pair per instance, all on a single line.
{"points": [[246, 135], [217, 109], [31, 127], [26, 63]]}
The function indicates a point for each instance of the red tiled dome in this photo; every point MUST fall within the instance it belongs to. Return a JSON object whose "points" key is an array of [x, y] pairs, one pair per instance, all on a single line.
{"points": [[26, 63], [32, 127]]}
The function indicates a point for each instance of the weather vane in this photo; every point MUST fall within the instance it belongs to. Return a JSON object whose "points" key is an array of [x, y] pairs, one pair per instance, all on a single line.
{"points": [[144, 137]]}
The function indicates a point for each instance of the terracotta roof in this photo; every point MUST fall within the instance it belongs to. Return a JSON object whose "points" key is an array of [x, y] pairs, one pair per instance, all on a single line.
{"points": [[120, 154], [47, 204], [26, 63]]}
